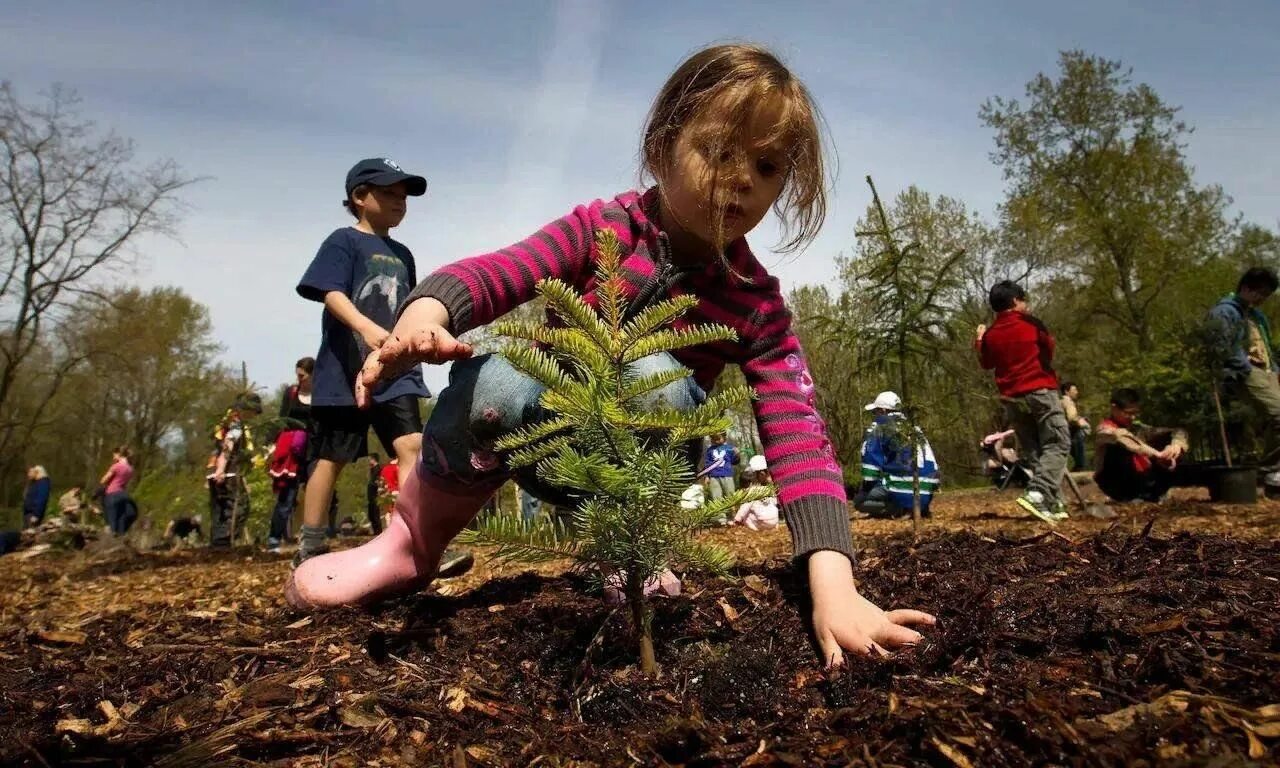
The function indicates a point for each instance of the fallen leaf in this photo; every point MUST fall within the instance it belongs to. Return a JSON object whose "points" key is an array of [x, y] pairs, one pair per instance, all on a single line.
{"points": [[1256, 749], [1162, 626], [1267, 730], [203, 614], [361, 714], [730, 613], [759, 585], [482, 753], [951, 753], [1269, 712], [1121, 719], [893, 702], [60, 637]]}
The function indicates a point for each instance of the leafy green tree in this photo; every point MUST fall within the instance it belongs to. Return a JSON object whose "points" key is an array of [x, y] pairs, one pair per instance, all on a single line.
{"points": [[905, 289], [629, 464], [1102, 193]]}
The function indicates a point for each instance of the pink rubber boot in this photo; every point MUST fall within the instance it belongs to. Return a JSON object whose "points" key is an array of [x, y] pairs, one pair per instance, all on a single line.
{"points": [[401, 559]]}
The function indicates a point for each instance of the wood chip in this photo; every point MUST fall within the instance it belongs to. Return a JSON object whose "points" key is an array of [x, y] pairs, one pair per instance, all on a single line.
{"points": [[61, 637], [952, 753], [730, 613], [300, 623]]}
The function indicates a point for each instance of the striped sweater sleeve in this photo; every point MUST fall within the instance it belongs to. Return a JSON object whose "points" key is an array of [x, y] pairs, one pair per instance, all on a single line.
{"points": [[801, 458], [480, 289]]}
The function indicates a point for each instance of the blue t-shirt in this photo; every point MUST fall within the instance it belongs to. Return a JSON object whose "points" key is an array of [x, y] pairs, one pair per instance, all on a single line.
{"points": [[721, 459], [376, 273]]}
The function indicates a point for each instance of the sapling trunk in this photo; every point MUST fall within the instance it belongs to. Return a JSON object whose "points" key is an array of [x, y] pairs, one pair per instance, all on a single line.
{"points": [[642, 623]]}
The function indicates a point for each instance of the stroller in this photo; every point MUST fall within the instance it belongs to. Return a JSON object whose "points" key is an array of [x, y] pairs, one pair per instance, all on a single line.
{"points": [[1001, 463]]}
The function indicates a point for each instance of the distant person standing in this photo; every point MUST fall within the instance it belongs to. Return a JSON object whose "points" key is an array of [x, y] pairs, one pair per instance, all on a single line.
{"points": [[36, 499], [228, 494], [291, 458], [718, 464], [117, 507], [1077, 424], [1018, 348]]}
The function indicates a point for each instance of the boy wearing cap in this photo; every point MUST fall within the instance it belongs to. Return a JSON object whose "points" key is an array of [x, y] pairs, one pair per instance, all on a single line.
{"points": [[361, 275], [888, 479], [1018, 348]]}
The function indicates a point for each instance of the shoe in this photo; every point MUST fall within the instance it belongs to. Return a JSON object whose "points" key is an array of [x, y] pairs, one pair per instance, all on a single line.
{"points": [[1033, 502], [303, 554], [1060, 511], [454, 563], [1272, 478], [403, 559]]}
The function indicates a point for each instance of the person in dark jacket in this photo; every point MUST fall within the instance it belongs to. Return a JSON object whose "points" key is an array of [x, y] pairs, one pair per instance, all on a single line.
{"points": [[36, 499], [1241, 337]]}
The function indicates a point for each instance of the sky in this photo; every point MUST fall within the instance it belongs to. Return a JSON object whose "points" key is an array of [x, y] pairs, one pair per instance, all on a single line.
{"points": [[518, 111]]}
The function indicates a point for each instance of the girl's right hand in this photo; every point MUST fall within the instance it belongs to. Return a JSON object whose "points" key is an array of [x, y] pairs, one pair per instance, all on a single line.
{"points": [[418, 337]]}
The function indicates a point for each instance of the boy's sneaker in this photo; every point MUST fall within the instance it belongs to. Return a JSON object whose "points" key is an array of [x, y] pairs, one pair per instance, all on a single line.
{"points": [[303, 554], [1033, 502], [1060, 510]]}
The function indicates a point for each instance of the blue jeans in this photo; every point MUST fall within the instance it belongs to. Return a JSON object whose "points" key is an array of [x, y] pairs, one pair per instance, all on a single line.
{"points": [[120, 512], [487, 398], [286, 499]]}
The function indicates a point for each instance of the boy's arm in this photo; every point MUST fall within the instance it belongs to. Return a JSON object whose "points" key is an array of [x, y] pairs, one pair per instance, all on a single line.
{"points": [[1111, 435], [341, 307], [980, 346]]}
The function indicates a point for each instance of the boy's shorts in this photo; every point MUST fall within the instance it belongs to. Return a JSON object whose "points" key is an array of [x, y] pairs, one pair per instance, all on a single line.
{"points": [[342, 431], [487, 398]]}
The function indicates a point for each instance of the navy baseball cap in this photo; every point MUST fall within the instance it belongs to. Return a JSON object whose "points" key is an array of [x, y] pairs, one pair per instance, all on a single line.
{"points": [[382, 172]]}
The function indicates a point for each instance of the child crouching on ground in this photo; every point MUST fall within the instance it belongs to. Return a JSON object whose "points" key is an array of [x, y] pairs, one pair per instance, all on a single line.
{"points": [[731, 135]]}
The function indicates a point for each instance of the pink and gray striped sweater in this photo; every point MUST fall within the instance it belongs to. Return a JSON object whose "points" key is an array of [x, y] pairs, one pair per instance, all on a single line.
{"points": [[480, 289]]}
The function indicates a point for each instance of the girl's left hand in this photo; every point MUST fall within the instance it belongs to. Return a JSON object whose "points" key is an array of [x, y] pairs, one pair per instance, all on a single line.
{"points": [[844, 620]]}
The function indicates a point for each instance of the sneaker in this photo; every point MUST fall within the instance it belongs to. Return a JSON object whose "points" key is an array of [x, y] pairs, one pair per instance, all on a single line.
{"points": [[1060, 510], [303, 554], [1272, 478], [454, 562], [1033, 502]]}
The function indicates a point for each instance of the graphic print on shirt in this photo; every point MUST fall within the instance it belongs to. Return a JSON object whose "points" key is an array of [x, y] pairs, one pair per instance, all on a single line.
{"points": [[385, 282]]}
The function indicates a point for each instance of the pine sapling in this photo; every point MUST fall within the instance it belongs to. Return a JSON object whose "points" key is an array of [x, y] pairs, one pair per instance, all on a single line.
{"points": [[624, 456]]}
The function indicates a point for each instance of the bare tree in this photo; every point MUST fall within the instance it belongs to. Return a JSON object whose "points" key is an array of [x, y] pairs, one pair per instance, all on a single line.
{"points": [[72, 202]]}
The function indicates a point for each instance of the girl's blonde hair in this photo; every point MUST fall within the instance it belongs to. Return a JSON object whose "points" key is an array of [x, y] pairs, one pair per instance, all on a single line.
{"points": [[738, 78], [38, 472]]}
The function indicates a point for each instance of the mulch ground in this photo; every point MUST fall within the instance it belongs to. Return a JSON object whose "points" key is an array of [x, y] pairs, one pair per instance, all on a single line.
{"points": [[1153, 639]]}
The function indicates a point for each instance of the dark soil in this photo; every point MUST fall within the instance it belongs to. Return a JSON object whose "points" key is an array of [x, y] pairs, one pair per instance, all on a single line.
{"points": [[1117, 649]]}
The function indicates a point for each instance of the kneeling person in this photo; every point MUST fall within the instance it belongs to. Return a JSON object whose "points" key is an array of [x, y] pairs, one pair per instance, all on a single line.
{"points": [[1135, 461], [887, 475]]}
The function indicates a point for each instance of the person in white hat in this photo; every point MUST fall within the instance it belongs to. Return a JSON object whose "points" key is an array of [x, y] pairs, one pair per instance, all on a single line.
{"points": [[757, 515], [888, 485], [885, 402]]}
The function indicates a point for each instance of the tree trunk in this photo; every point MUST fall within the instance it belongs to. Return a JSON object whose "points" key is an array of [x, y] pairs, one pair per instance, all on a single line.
{"points": [[642, 622]]}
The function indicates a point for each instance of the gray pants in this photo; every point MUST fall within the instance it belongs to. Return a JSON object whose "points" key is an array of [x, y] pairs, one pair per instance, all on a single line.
{"points": [[1043, 438], [720, 487]]}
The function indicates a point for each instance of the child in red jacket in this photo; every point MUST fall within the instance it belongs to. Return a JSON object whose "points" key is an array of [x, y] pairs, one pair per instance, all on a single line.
{"points": [[1019, 349]]}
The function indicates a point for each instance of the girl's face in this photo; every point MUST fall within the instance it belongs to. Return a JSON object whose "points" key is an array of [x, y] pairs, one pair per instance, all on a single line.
{"points": [[743, 181], [304, 378]]}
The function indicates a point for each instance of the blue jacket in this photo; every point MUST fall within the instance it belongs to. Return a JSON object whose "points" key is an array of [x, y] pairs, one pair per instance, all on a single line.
{"points": [[723, 458], [1230, 334], [37, 497], [886, 460]]}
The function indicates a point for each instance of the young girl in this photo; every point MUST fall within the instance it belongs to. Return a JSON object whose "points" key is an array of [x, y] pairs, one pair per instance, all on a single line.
{"points": [[731, 135], [757, 515]]}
